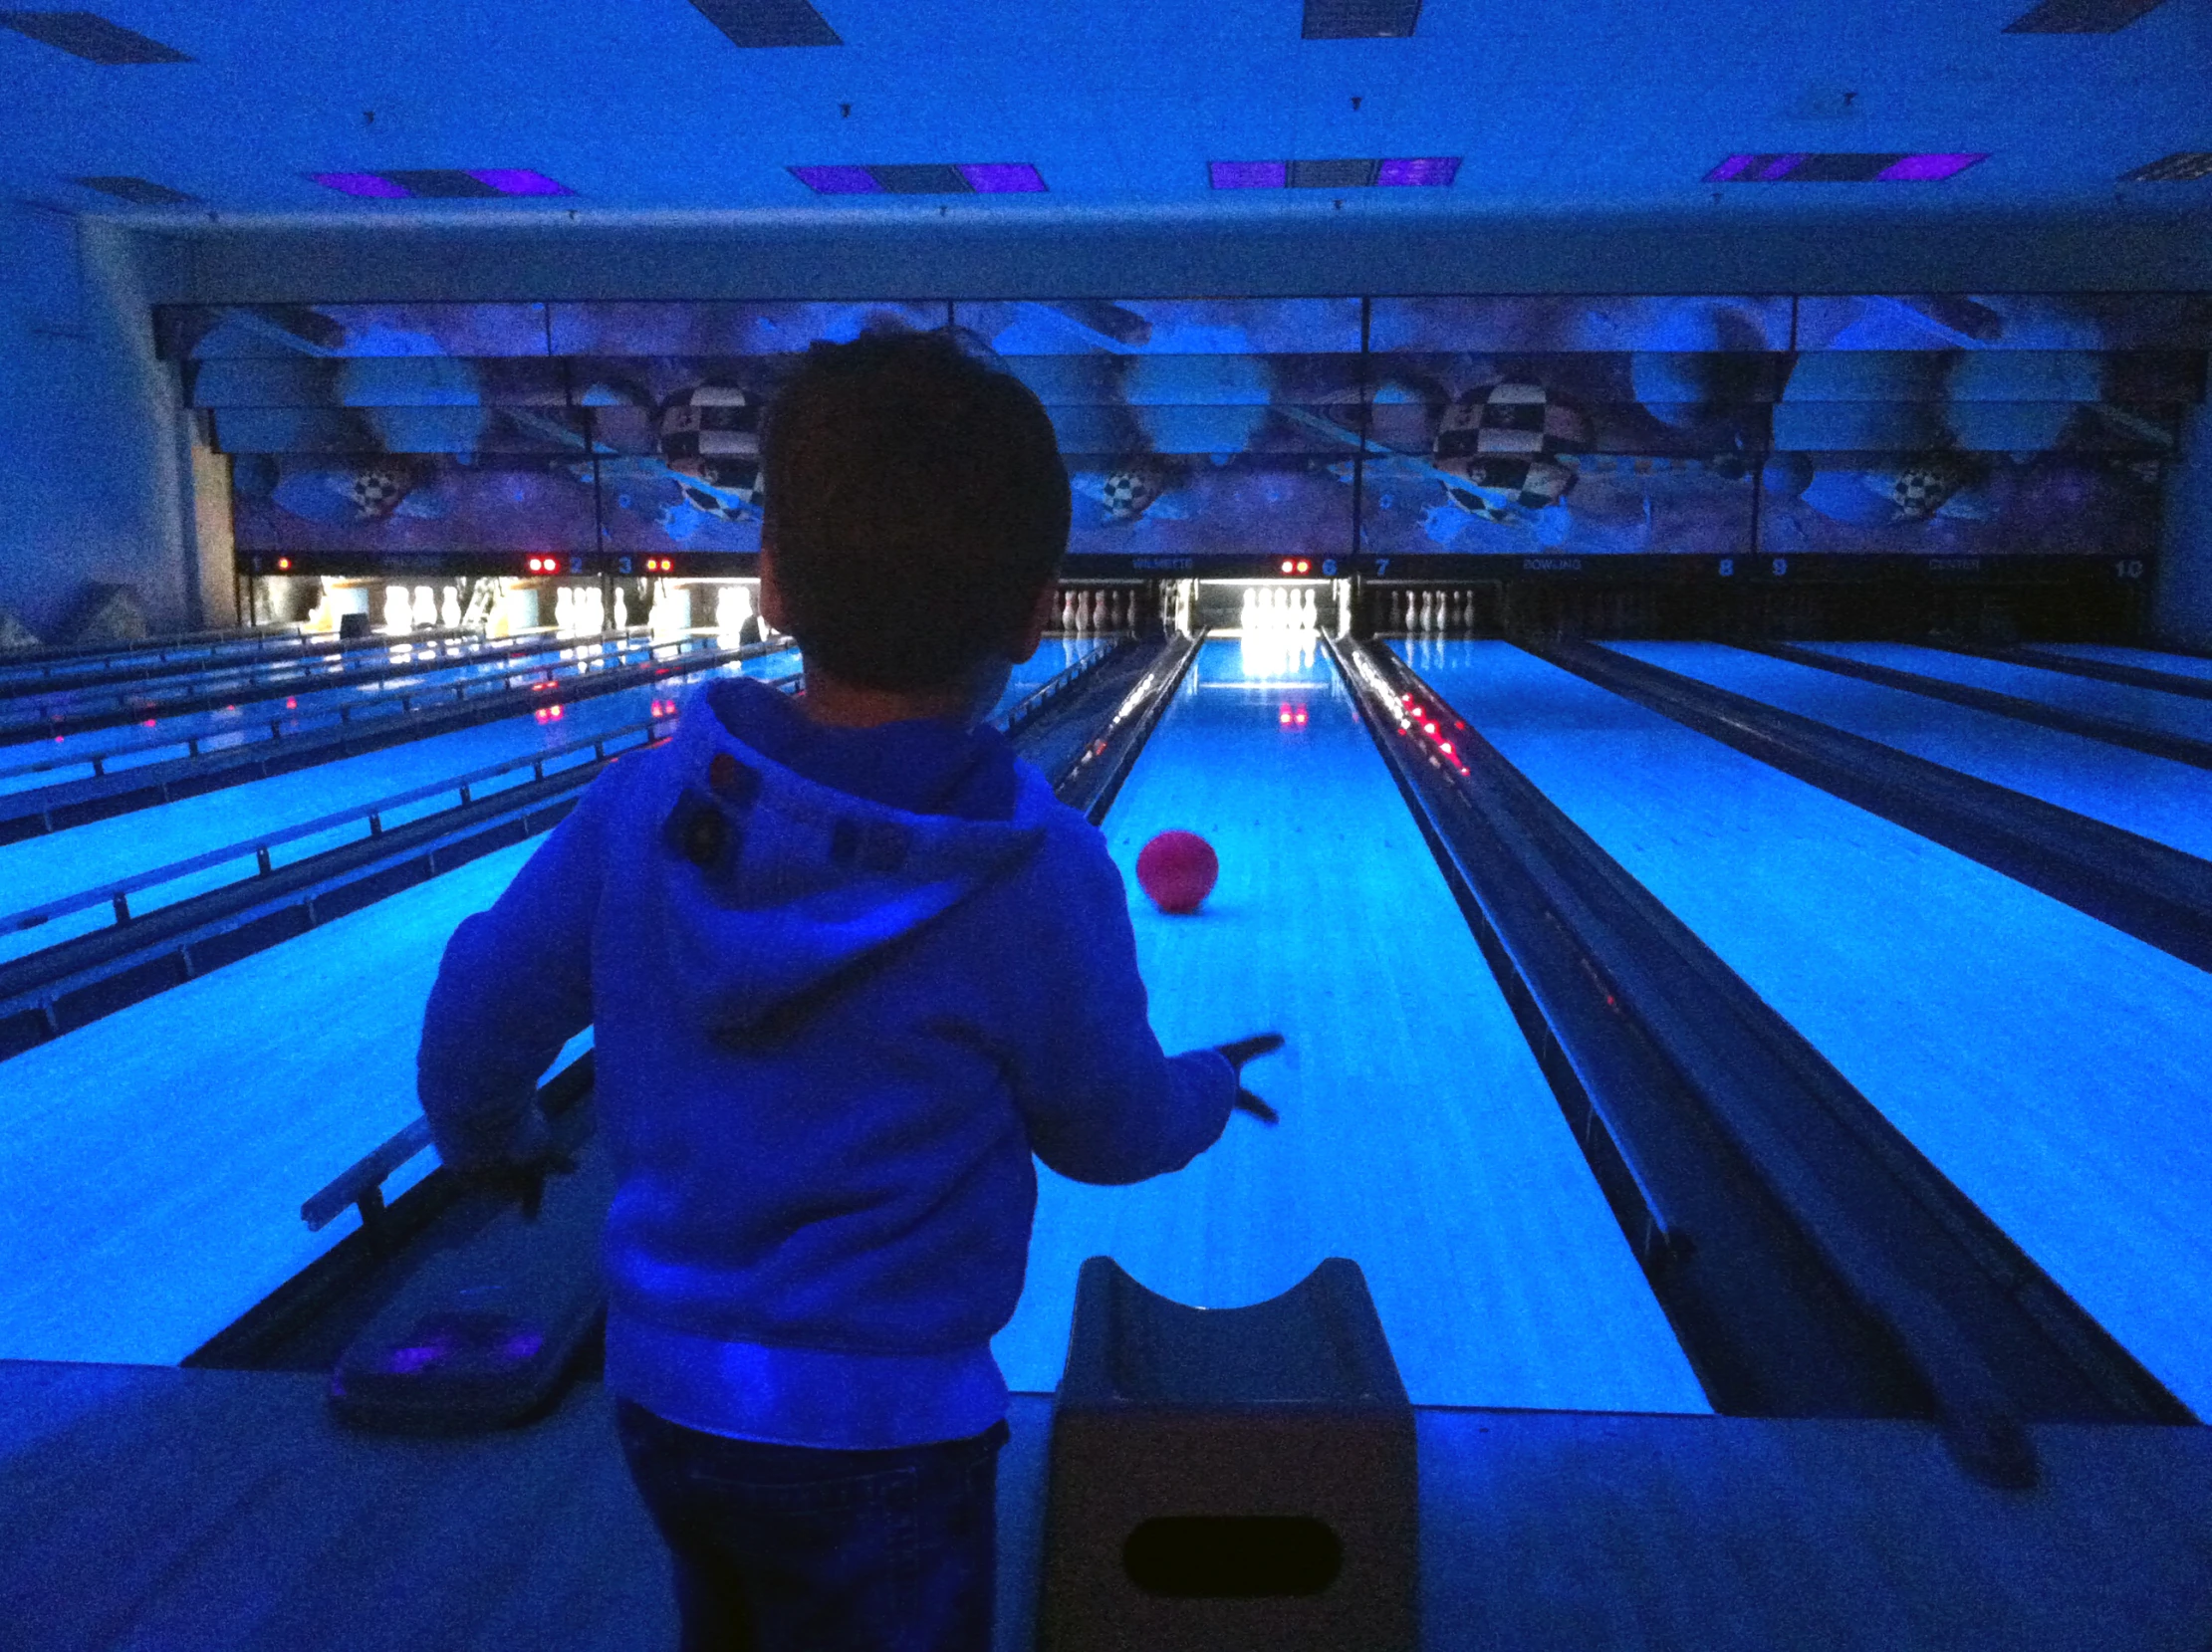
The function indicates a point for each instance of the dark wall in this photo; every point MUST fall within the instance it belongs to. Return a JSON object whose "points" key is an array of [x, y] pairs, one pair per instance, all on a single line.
{"points": [[1730, 252]]}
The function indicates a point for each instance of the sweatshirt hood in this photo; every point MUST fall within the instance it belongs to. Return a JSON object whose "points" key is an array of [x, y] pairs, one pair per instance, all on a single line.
{"points": [[773, 890]]}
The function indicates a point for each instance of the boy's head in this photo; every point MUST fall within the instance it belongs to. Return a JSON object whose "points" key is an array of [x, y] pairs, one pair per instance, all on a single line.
{"points": [[916, 509]]}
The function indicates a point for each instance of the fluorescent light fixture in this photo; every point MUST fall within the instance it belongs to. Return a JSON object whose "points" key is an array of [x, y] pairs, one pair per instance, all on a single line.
{"points": [[1003, 178], [1840, 168], [2185, 167], [90, 37], [756, 23], [137, 191], [1248, 174], [928, 180], [367, 185], [440, 184], [510, 180], [1332, 175], [1432, 170], [1361, 19], [837, 180], [1925, 168], [2081, 17]]}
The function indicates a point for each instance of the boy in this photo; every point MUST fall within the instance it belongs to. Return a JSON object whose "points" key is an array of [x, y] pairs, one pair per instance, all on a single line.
{"points": [[850, 965]]}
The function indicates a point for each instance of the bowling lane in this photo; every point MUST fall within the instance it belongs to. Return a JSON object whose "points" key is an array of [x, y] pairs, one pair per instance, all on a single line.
{"points": [[2149, 660], [2162, 798], [2144, 708], [152, 1163], [2050, 1065], [158, 738], [1417, 1138], [36, 871], [1054, 655]]}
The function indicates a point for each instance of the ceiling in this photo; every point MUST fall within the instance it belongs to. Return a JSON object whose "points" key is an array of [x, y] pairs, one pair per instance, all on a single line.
{"points": [[643, 107]]}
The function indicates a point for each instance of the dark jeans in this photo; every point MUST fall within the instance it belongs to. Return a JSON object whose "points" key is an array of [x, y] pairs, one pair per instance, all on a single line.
{"points": [[786, 1548]]}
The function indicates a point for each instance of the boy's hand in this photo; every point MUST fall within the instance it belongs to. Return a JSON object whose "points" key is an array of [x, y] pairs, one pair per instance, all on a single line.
{"points": [[1240, 1051], [522, 1179]]}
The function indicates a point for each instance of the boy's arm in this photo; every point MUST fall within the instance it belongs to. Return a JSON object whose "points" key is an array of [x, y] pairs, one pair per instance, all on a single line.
{"points": [[1103, 1103], [514, 987]]}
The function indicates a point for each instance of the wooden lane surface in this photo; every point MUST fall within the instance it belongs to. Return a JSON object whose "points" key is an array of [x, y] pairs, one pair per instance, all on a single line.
{"points": [[2145, 708], [152, 1163], [2153, 795], [1417, 1139], [222, 1512], [2052, 1067], [46, 867]]}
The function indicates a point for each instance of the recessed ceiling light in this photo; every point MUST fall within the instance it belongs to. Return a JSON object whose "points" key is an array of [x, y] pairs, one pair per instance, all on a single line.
{"points": [[367, 185], [2185, 167], [1004, 179], [922, 180], [1248, 174], [837, 180], [1361, 19], [1332, 175], [1430, 169], [441, 185], [1840, 168], [137, 191], [90, 37], [2081, 17], [514, 180], [768, 21]]}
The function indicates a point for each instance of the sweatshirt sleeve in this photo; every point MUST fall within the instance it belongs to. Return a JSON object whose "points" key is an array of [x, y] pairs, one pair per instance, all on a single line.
{"points": [[514, 985], [1102, 1101]]}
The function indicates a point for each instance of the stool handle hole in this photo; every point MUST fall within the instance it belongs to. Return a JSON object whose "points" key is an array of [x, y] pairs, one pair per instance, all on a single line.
{"points": [[1232, 1557]]}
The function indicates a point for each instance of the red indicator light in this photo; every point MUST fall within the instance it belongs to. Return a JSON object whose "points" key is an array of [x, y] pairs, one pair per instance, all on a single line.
{"points": [[1303, 565], [1301, 719], [284, 564], [1446, 748], [1430, 727], [1282, 717], [150, 722], [292, 705], [1287, 565]]}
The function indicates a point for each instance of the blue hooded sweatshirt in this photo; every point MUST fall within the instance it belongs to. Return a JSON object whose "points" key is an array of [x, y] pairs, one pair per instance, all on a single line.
{"points": [[844, 983]]}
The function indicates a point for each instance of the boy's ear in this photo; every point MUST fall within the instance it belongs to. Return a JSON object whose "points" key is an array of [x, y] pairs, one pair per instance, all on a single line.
{"points": [[1034, 628], [771, 594]]}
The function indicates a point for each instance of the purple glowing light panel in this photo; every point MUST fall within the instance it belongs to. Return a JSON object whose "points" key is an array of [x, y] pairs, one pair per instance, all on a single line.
{"points": [[365, 185], [1004, 179], [1437, 171], [1840, 168], [1926, 169], [837, 181], [1248, 174], [1406, 172], [508, 180]]}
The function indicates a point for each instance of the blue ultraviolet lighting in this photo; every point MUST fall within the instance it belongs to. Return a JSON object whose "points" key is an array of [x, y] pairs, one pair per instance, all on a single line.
{"points": [[1733, 167], [837, 181]]}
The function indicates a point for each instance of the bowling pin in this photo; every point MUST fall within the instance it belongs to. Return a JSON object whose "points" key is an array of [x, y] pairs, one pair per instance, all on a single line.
{"points": [[1067, 611], [449, 609], [621, 609]]}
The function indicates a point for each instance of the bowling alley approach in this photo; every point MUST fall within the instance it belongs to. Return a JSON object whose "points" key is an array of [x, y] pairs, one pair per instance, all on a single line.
{"points": [[1292, 826]]}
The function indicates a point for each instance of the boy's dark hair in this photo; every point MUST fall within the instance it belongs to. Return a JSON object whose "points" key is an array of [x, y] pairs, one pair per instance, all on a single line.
{"points": [[917, 503]]}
